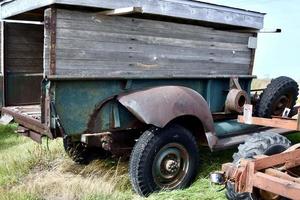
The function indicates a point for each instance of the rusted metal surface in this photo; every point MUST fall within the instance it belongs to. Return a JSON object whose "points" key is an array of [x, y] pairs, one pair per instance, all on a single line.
{"points": [[160, 105], [236, 99], [93, 117], [119, 143]]}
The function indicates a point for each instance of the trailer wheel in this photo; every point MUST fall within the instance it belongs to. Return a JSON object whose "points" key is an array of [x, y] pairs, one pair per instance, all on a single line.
{"points": [[82, 154], [281, 93], [163, 159], [264, 143]]}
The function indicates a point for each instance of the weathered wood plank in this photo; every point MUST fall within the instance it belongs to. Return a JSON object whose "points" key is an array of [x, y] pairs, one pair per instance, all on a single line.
{"points": [[153, 56], [78, 18], [185, 9], [24, 44], [112, 46], [119, 35], [122, 47], [1, 54], [88, 67]]}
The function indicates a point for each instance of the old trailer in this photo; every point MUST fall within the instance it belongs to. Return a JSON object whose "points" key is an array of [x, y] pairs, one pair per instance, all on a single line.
{"points": [[150, 78], [266, 167]]}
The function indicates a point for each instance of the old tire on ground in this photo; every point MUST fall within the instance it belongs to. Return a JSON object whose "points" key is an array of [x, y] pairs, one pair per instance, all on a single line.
{"points": [[82, 154], [163, 159], [265, 143], [282, 92]]}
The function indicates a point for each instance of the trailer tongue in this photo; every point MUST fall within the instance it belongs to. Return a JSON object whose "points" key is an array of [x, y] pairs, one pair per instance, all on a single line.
{"points": [[269, 177]]}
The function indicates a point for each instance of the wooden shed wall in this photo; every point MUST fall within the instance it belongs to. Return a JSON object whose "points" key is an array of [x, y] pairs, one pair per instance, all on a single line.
{"points": [[23, 63], [1, 47], [93, 45], [24, 48]]}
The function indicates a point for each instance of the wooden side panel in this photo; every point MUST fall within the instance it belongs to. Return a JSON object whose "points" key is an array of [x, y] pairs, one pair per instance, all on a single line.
{"points": [[24, 48], [1, 46], [91, 45], [23, 63]]}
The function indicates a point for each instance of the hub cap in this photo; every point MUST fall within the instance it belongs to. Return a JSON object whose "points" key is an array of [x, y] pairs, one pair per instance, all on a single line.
{"points": [[283, 102], [170, 166]]}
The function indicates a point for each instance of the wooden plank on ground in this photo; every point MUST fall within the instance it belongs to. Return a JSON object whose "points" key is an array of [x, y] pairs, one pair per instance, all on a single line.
{"points": [[274, 122]]}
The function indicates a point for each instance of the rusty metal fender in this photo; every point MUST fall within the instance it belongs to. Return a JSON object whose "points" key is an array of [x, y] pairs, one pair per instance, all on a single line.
{"points": [[160, 105]]}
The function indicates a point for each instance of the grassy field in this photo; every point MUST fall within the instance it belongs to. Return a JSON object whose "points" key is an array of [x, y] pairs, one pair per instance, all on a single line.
{"points": [[30, 171]]}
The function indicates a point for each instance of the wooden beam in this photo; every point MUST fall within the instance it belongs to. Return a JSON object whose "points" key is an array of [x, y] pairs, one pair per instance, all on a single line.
{"points": [[185, 9], [278, 159], [276, 185], [274, 122], [122, 11]]}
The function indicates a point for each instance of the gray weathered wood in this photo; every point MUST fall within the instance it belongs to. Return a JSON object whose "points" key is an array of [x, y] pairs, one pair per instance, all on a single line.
{"points": [[23, 63], [121, 47], [1, 51], [185, 9], [24, 44]]}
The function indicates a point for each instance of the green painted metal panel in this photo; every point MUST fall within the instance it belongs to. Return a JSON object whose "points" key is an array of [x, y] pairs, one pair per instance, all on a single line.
{"points": [[76, 101], [231, 127]]}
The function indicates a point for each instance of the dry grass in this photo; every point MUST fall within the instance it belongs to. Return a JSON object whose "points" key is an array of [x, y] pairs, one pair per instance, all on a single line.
{"points": [[62, 179], [30, 171]]}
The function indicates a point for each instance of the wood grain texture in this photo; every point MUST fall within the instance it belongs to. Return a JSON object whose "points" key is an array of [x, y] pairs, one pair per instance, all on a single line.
{"points": [[89, 44], [24, 45], [182, 9]]}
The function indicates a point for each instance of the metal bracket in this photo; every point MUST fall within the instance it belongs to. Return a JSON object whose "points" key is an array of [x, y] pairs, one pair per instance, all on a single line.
{"points": [[234, 83], [122, 11], [22, 21]]}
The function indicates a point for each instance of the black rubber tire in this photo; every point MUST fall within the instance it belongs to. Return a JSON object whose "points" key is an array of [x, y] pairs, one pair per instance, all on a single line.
{"points": [[148, 146], [277, 88], [232, 195], [264, 143], [80, 153]]}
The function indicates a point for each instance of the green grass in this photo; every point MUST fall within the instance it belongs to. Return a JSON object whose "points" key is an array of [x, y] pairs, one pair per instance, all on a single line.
{"points": [[29, 171], [32, 171]]}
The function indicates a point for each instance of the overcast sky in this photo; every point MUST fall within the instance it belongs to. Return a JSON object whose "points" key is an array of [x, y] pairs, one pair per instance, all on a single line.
{"points": [[278, 53]]}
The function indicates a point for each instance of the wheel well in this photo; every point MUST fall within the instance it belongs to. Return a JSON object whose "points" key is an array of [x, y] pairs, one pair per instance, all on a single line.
{"points": [[194, 125]]}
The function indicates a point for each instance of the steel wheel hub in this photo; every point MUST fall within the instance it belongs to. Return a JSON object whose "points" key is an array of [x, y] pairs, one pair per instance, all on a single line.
{"points": [[170, 165], [282, 103]]}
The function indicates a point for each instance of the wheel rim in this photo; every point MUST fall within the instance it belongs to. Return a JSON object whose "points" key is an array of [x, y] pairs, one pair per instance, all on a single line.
{"points": [[170, 166], [279, 105]]}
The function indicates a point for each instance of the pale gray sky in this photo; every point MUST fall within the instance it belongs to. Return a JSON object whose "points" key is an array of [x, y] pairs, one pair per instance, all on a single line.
{"points": [[277, 54]]}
